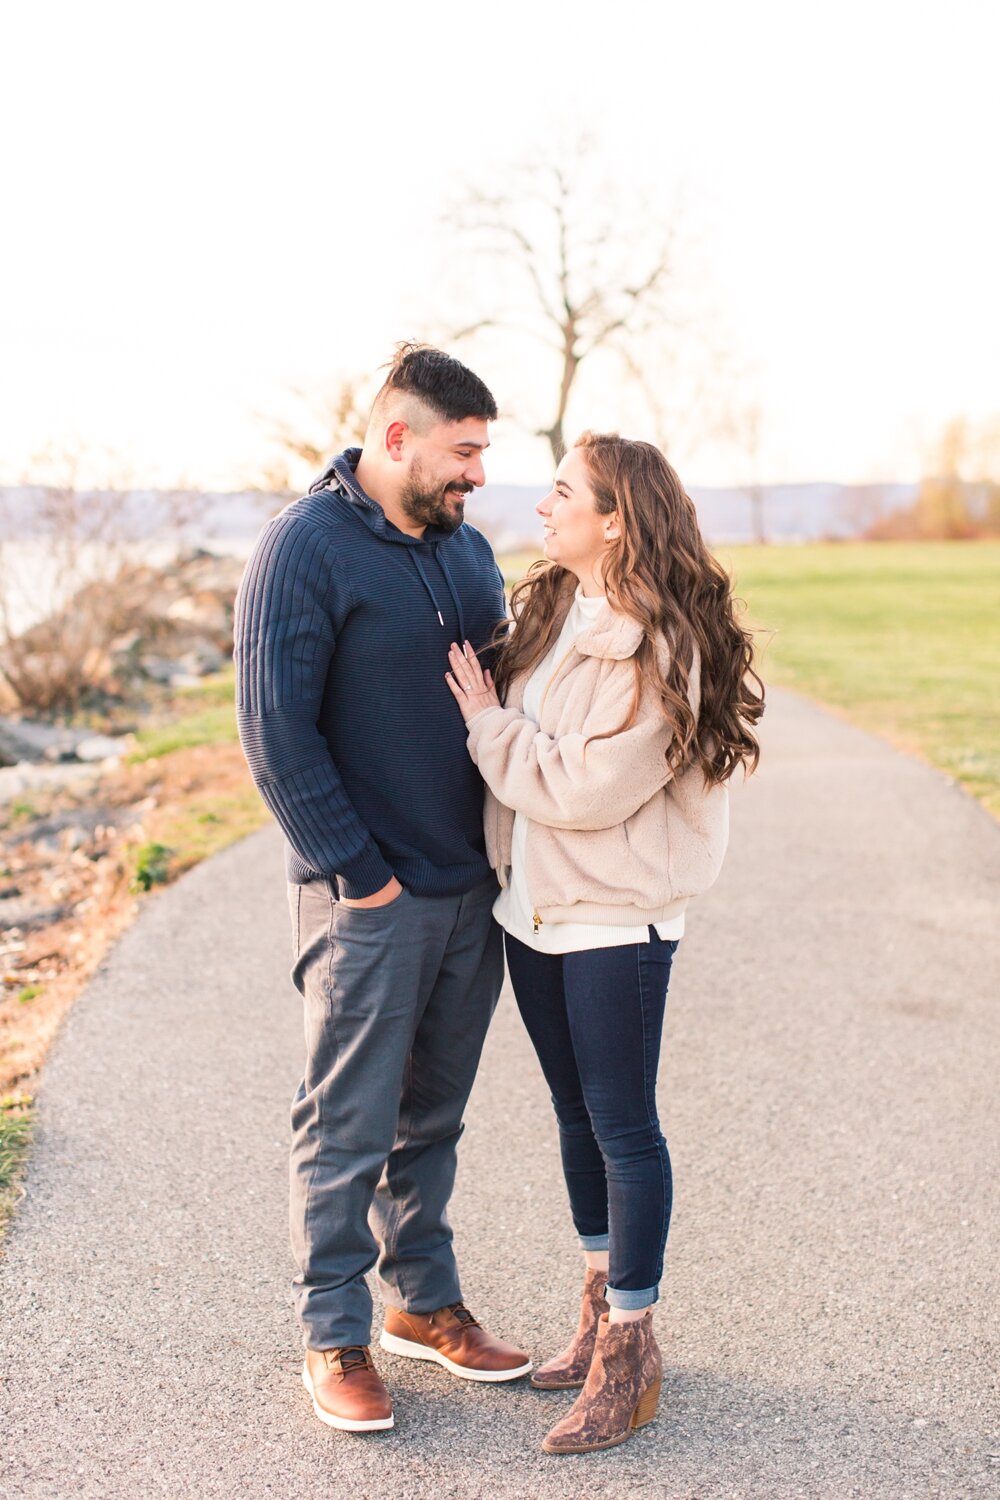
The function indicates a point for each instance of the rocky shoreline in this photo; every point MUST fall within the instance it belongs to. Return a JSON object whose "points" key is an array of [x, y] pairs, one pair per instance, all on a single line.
{"points": [[87, 807]]}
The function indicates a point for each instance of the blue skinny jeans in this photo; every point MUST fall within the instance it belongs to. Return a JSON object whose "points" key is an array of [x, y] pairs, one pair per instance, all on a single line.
{"points": [[595, 1020]]}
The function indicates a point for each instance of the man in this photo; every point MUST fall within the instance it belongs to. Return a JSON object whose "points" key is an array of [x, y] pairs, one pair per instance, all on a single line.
{"points": [[344, 620]]}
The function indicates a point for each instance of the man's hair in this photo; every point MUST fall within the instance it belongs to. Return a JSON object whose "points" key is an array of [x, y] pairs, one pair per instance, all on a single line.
{"points": [[441, 384]]}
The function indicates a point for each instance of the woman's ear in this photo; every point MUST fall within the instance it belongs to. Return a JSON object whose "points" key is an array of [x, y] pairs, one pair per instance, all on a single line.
{"points": [[612, 530]]}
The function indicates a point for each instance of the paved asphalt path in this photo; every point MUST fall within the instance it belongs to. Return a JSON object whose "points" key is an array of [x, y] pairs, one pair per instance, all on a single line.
{"points": [[829, 1318]]}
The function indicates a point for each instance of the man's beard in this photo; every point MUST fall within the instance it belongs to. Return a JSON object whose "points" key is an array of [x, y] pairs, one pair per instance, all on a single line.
{"points": [[434, 507]]}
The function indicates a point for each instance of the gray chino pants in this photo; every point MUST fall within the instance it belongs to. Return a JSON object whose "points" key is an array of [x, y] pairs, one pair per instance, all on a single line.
{"points": [[398, 1000]]}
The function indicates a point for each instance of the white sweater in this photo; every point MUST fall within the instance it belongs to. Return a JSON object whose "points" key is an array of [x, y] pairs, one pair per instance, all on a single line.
{"points": [[513, 908]]}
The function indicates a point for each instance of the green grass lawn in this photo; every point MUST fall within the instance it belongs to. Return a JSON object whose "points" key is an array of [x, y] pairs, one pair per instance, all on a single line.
{"points": [[202, 715], [16, 1119], [904, 637], [196, 821]]}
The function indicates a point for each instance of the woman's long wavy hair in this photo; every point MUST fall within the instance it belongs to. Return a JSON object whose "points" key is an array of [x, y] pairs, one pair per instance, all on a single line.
{"points": [[660, 573]]}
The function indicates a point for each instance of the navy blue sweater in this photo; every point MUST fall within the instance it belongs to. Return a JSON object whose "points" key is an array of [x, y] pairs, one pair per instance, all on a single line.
{"points": [[343, 624]]}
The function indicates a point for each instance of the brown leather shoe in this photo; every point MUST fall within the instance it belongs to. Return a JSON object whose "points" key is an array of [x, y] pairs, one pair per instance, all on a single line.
{"points": [[346, 1390], [569, 1369], [453, 1338]]}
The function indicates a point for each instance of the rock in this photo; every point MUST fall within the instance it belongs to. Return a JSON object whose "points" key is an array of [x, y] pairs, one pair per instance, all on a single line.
{"points": [[124, 645], [26, 777], [159, 668], [101, 747], [27, 915], [207, 611], [201, 659], [156, 622], [77, 822], [34, 740]]}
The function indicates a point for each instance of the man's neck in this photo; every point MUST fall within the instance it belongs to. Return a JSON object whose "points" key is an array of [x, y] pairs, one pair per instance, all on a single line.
{"points": [[371, 479]]}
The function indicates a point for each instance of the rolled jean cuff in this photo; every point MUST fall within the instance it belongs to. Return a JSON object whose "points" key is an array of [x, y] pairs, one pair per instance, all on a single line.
{"points": [[595, 1241], [631, 1301]]}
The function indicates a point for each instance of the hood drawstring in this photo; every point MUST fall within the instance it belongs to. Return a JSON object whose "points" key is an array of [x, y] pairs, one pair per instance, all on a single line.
{"points": [[339, 473], [426, 583], [454, 593], [451, 589]]}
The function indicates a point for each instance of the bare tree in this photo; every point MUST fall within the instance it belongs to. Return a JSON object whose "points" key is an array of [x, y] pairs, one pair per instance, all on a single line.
{"points": [[320, 423], [984, 472], [73, 537], [62, 557], [941, 508], [959, 494], [746, 431], [586, 275]]}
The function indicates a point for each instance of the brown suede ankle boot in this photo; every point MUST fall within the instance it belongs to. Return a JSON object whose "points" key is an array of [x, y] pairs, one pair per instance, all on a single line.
{"points": [[568, 1370], [619, 1394]]}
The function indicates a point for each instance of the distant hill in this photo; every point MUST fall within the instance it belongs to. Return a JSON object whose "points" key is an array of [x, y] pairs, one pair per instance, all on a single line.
{"points": [[229, 522], [792, 512]]}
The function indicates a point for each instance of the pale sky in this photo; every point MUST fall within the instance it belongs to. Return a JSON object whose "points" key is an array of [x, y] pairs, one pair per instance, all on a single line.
{"points": [[204, 204]]}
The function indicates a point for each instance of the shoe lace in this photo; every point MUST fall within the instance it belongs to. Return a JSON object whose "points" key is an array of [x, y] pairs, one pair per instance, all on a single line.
{"points": [[354, 1357], [462, 1313]]}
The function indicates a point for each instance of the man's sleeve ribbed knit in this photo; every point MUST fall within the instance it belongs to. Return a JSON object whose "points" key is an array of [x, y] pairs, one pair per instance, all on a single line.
{"points": [[291, 597]]}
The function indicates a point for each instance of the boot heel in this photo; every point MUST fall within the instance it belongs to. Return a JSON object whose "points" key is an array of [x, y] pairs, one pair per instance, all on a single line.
{"points": [[646, 1409]]}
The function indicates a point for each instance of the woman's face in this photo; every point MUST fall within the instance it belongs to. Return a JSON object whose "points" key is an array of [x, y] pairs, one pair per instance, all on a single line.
{"points": [[576, 536]]}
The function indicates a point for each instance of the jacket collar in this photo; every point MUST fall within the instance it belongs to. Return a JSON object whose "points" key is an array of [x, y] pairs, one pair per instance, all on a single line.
{"points": [[612, 636]]}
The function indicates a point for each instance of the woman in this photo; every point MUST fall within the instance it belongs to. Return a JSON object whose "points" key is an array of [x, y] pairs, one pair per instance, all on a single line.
{"points": [[624, 700]]}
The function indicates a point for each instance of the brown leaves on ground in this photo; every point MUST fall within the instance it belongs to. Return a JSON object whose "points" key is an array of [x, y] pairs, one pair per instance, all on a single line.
{"points": [[76, 861]]}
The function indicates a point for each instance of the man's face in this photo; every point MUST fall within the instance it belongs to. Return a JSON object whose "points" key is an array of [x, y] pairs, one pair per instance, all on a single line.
{"points": [[445, 464]]}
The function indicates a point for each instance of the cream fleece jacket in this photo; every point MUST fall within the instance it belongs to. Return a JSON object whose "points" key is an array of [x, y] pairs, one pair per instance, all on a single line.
{"points": [[614, 837]]}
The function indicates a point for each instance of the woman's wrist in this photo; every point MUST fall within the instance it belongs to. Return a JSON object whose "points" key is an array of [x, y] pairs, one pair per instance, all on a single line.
{"points": [[491, 708], [482, 713]]}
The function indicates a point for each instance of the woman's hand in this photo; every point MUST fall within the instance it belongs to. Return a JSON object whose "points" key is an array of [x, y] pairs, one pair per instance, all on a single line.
{"points": [[472, 688]]}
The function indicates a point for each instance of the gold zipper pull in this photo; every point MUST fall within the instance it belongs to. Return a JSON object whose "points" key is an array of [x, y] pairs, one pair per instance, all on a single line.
{"points": [[536, 919]]}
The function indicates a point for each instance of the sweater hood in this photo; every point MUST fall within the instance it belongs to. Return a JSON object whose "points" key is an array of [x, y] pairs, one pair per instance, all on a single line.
{"points": [[340, 474]]}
